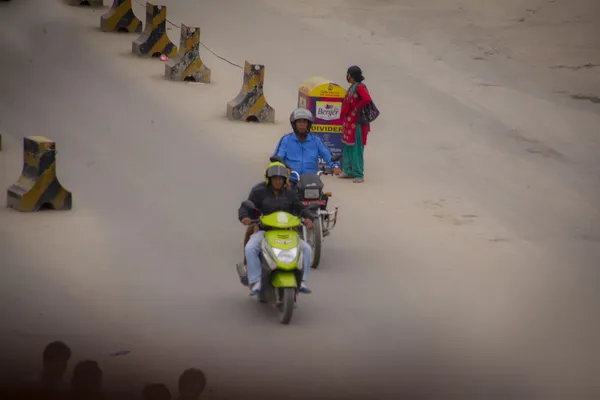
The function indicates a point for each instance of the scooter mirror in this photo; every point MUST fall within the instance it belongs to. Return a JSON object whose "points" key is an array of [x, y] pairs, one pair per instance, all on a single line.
{"points": [[247, 204]]}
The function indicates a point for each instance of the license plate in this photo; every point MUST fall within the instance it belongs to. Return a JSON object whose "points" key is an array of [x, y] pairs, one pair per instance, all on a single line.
{"points": [[309, 202]]}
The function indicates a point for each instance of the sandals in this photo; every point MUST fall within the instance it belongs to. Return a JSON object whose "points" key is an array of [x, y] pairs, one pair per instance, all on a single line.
{"points": [[355, 180]]}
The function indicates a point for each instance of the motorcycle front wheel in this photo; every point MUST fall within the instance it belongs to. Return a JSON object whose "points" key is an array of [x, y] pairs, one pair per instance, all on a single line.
{"points": [[286, 308], [315, 240]]}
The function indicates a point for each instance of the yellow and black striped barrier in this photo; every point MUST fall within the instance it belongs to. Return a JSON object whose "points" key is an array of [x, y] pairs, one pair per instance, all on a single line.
{"points": [[250, 104], [154, 41], [120, 18], [38, 186], [188, 65]]}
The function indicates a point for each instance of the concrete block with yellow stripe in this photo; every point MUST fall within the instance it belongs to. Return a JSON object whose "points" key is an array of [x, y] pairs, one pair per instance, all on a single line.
{"points": [[250, 104], [120, 18], [154, 41], [38, 185], [188, 65]]}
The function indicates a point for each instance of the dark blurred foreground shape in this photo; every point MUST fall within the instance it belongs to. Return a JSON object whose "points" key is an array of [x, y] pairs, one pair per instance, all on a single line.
{"points": [[425, 377], [86, 382]]}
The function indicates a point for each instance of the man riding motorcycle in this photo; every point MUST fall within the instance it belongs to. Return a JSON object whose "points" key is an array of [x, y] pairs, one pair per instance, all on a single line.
{"points": [[271, 196], [300, 149]]}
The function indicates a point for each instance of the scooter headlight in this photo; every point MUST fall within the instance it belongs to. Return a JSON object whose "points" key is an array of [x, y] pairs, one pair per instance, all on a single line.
{"points": [[268, 254], [300, 264], [286, 256]]}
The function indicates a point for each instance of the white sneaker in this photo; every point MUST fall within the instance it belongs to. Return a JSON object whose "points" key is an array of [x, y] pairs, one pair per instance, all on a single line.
{"points": [[255, 288], [304, 288]]}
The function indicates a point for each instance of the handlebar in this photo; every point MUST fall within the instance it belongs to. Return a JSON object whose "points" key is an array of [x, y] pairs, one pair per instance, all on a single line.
{"points": [[256, 222], [302, 218], [326, 170]]}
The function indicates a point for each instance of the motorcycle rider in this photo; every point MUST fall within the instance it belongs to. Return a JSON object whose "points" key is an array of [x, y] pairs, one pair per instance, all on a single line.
{"points": [[300, 149], [271, 196]]}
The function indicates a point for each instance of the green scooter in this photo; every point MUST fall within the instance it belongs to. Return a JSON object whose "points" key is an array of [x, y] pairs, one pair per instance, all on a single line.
{"points": [[281, 260]]}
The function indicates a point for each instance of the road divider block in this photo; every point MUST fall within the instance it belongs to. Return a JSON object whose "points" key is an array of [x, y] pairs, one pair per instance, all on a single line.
{"points": [[120, 18], [154, 41], [250, 104], [188, 65], [38, 187]]}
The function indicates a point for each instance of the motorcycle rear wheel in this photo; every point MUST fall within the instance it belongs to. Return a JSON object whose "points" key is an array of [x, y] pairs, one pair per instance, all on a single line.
{"points": [[286, 308]]}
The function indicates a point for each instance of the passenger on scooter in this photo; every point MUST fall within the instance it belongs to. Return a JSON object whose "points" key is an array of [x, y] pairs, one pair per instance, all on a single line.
{"points": [[300, 149], [269, 197]]}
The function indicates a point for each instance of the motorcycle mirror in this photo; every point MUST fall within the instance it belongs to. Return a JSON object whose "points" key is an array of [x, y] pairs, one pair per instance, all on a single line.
{"points": [[248, 205], [278, 159], [314, 206], [336, 158]]}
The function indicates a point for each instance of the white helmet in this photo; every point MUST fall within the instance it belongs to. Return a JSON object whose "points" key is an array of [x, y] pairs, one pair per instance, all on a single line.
{"points": [[301, 113]]}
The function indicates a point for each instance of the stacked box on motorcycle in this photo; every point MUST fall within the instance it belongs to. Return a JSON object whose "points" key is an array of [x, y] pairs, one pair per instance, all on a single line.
{"points": [[310, 187], [324, 99]]}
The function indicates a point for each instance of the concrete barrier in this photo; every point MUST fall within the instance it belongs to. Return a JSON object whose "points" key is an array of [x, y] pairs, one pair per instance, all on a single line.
{"points": [[188, 65], [120, 18], [154, 41], [38, 185], [250, 104]]}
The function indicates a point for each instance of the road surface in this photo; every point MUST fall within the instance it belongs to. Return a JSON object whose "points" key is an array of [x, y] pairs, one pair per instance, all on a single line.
{"points": [[467, 262]]}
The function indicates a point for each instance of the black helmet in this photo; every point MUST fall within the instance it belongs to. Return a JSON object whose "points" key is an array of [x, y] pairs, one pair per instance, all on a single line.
{"points": [[301, 113]]}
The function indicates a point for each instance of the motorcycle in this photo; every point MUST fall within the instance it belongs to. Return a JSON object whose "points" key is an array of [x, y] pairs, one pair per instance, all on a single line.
{"points": [[310, 190], [281, 260]]}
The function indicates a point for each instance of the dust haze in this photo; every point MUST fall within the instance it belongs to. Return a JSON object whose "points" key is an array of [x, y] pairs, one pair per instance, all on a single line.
{"points": [[466, 265]]}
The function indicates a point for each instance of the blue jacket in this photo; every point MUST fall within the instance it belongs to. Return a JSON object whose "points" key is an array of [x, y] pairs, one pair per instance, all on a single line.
{"points": [[303, 157]]}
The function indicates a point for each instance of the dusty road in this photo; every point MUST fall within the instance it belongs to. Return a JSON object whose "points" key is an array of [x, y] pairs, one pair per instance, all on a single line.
{"points": [[470, 254]]}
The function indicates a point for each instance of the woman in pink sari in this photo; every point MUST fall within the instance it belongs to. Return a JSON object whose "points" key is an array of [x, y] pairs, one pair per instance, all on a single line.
{"points": [[354, 134]]}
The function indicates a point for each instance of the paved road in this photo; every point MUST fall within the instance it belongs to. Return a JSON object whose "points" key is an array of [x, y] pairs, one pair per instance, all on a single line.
{"points": [[465, 251]]}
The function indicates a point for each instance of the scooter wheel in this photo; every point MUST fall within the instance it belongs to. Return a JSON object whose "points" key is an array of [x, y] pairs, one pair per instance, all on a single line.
{"points": [[287, 306]]}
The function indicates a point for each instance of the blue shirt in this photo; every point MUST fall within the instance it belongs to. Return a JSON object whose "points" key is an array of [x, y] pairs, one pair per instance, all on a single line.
{"points": [[303, 157]]}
